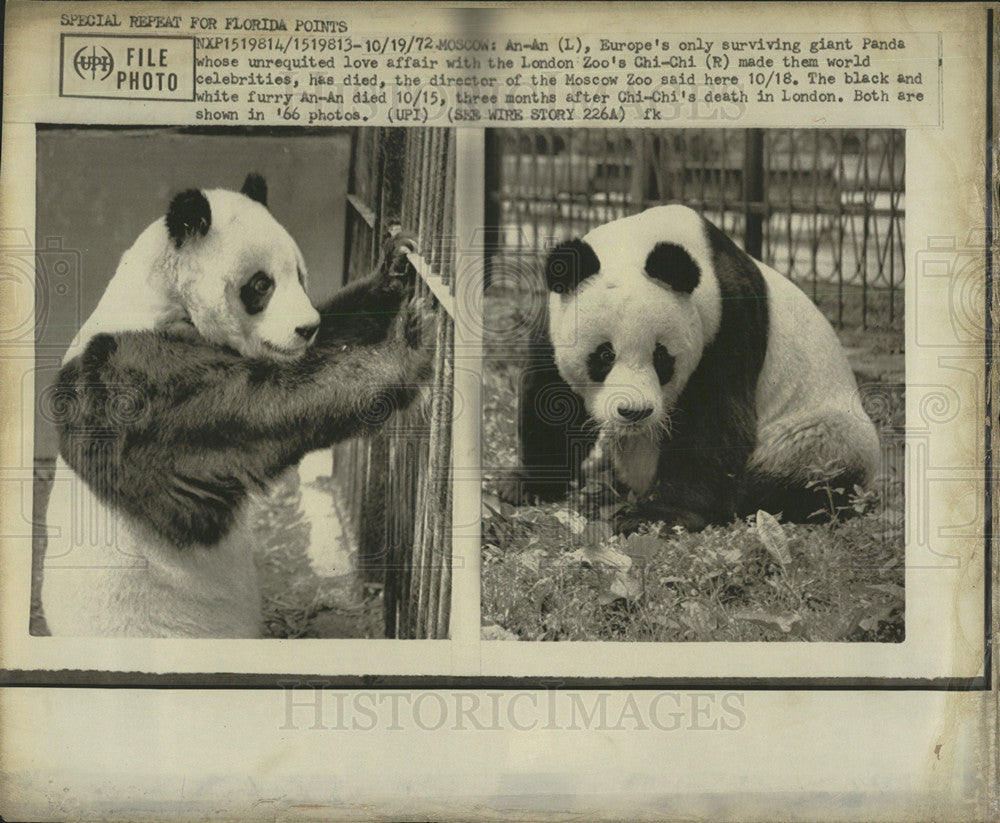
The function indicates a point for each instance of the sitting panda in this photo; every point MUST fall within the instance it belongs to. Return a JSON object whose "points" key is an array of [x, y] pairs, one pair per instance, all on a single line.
{"points": [[203, 373], [714, 382]]}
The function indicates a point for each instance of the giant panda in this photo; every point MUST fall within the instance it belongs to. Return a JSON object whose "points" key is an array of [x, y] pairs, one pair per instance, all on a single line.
{"points": [[715, 384], [203, 373]]}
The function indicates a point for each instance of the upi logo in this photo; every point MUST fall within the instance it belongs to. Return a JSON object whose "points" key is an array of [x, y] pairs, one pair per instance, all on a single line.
{"points": [[93, 63]]}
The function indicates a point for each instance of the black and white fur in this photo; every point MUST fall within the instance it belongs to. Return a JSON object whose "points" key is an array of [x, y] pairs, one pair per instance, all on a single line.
{"points": [[714, 382], [172, 414]]}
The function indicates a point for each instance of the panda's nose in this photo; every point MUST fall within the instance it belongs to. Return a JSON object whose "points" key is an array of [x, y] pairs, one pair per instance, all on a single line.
{"points": [[631, 415], [307, 332]]}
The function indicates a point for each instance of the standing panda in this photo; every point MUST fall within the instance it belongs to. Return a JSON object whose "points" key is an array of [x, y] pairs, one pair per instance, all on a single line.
{"points": [[714, 382], [203, 373]]}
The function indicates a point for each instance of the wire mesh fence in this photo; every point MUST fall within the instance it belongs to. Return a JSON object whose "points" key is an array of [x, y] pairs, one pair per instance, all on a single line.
{"points": [[824, 207], [405, 177]]}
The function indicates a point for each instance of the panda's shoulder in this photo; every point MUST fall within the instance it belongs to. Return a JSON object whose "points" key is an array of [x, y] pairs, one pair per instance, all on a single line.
{"points": [[157, 355]]}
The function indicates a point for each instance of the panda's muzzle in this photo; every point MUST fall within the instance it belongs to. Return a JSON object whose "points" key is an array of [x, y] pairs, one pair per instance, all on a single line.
{"points": [[634, 415], [307, 333], [284, 353], [626, 405]]}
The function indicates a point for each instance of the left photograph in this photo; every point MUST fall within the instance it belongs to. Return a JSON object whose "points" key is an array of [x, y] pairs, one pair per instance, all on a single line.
{"points": [[243, 382]]}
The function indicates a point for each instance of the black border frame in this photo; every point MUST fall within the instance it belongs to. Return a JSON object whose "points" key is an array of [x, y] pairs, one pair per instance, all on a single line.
{"points": [[25, 678]]}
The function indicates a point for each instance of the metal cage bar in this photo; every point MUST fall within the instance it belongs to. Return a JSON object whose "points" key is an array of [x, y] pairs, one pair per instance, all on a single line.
{"points": [[406, 175], [825, 207]]}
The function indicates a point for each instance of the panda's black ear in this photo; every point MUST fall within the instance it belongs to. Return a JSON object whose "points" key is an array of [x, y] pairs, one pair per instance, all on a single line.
{"points": [[255, 187], [568, 265], [189, 215], [671, 264]]}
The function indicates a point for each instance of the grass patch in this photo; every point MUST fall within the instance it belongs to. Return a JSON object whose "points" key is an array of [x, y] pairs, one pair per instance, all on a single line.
{"points": [[559, 576]]}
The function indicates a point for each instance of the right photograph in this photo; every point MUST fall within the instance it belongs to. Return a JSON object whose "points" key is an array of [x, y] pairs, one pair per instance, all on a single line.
{"points": [[693, 385]]}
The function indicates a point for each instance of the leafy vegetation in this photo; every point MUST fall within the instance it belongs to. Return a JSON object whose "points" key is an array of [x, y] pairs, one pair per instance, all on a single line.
{"points": [[559, 576]]}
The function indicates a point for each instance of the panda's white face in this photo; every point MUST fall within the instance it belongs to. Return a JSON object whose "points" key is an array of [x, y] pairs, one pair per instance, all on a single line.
{"points": [[243, 282], [627, 349], [639, 309]]}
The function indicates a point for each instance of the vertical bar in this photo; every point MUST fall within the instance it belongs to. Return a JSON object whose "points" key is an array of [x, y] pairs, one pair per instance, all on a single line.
{"points": [[863, 262], [605, 164], [622, 150], [893, 217], [378, 196], [840, 229], [447, 261], [577, 151], [406, 540], [531, 190], [514, 187], [405, 195], [391, 182], [423, 489], [352, 172], [438, 476], [753, 192], [637, 188], [444, 559], [790, 204], [662, 193], [421, 560], [990, 371], [555, 184], [767, 244], [466, 464], [725, 182], [702, 169], [411, 203], [393, 559], [816, 175], [429, 194], [426, 175]]}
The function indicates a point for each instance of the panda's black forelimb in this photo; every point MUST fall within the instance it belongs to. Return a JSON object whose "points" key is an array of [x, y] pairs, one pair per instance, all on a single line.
{"points": [[176, 431], [363, 311], [555, 433]]}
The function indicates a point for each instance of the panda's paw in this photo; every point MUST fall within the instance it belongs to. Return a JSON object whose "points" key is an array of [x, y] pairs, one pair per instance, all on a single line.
{"points": [[395, 262], [417, 332], [420, 320], [521, 489], [629, 522], [642, 518], [511, 490]]}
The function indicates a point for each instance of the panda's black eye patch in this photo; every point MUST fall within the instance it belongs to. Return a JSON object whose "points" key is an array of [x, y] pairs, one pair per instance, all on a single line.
{"points": [[663, 362], [672, 265], [600, 361], [256, 293]]}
